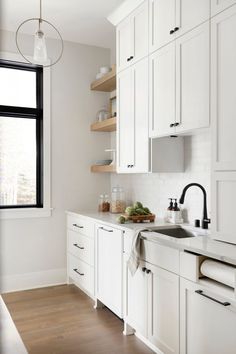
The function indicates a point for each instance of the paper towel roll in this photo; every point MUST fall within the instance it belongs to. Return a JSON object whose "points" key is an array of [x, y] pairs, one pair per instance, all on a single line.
{"points": [[220, 272]]}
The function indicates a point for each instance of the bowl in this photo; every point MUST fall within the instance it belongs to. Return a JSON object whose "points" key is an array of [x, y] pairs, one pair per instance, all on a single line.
{"points": [[105, 69]]}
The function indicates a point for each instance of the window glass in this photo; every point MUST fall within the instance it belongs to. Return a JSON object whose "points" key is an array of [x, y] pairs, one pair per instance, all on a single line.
{"points": [[17, 88], [17, 161]]}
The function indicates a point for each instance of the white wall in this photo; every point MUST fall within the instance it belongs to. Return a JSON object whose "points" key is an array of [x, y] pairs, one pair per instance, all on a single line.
{"points": [[155, 189], [33, 251]]}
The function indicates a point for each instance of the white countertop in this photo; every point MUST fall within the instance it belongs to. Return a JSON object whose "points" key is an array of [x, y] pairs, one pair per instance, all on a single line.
{"points": [[203, 244]]}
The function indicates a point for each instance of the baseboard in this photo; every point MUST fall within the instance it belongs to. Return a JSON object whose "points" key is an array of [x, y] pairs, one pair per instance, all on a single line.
{"points": [[33, 280]]}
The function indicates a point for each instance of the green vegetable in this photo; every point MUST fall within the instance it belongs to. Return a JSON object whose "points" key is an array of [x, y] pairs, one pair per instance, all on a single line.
{"points": [[121, 219], [147, 211], [130, 211], [138, 205], [140, 211]]}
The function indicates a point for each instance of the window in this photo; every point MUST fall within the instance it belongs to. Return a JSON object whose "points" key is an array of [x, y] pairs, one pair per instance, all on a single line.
{"points": [[21, 135]]}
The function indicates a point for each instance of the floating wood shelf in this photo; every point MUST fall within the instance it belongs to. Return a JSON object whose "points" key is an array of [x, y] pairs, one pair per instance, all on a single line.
{"points": [[107, 83], [107, 125], [103, 168]]}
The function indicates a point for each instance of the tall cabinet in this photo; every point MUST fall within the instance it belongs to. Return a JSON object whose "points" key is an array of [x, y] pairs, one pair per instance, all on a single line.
{"points": [[223, 113]]}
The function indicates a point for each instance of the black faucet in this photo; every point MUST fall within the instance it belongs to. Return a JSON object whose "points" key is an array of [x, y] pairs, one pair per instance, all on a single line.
{"points": [[205, 220]]}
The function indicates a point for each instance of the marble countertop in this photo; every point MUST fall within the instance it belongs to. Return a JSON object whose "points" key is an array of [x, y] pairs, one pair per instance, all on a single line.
{"points": [[203, 243]]}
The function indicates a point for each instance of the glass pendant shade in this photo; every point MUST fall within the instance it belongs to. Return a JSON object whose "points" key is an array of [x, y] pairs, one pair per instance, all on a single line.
{"points": [[40, 49]]}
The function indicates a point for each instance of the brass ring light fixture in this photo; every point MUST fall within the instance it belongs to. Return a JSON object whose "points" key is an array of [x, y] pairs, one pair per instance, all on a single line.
{"points": [[40, 50]]}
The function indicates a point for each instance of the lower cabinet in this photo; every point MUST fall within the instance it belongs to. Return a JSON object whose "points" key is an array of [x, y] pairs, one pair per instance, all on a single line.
{"points": [[152, 306], [109, 262], [207, 321]]}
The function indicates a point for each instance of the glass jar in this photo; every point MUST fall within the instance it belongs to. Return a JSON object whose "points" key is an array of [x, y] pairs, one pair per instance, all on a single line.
{"points": [[117, 200], [102, 114], [103, 205]]}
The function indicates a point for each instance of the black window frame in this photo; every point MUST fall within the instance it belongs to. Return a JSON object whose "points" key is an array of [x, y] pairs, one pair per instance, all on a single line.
{"points": [[29, 113]]}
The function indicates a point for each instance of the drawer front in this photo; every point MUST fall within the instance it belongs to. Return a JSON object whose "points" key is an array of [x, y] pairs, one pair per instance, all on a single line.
{"points": [[161, 256], [81, 273], [81, 225], [81, 246]]}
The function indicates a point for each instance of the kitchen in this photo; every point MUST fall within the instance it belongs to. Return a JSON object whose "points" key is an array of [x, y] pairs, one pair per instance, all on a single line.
{"points": [[139, 105]]}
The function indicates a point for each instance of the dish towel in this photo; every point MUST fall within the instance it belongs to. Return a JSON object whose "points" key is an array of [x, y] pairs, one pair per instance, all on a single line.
{"points": [[134, 259]]}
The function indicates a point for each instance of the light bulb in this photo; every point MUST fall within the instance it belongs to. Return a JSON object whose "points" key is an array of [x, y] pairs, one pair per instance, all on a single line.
{"points": [[40, 49]]}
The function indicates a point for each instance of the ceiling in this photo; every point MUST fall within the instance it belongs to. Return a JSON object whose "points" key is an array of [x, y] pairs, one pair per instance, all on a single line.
{"points": [[82, 21]]}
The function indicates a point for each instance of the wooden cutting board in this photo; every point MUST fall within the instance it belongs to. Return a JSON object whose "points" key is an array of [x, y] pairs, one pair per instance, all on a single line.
{"points": [[141, 218]]}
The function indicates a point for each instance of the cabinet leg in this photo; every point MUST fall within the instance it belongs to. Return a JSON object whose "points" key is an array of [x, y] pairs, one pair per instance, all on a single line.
{"points": [[128, 330], [98, 304]]}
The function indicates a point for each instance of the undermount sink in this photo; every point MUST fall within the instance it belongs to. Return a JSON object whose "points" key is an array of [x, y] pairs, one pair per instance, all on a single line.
{"points": [[177, 232]]}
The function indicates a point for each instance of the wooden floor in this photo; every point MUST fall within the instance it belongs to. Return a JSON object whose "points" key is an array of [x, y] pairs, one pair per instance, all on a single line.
{"points": [[61, 320]]}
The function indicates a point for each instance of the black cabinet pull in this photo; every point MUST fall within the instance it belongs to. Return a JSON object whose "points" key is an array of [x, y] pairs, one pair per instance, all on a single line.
{"points": [[148, 271], [172, 31], [200, 292], [103, 228], [172, 125], [176, 124], [144, 269], [128, 59], [131, 57], [128, 166], [176, 29], [76, 271], [80, 227], [76, 245]]}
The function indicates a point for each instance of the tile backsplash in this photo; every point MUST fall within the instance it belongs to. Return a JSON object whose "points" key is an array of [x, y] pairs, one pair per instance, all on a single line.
{"points": [[155, 189]]}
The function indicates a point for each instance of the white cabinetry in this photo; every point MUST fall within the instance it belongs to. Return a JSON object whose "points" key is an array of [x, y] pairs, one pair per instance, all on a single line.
{"points": [[207, 324], [132, 129], [223, 97], [132, 37], [151, 298], [80, 252], [223, 113], [220, 5], [172, 18], [109, 262], [179, 84]]}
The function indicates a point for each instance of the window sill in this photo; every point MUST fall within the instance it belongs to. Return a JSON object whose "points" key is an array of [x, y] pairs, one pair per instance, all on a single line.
{"points": [[25, 213]]}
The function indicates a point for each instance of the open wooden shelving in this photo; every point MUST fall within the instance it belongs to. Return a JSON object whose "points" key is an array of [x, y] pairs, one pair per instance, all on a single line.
{"points": [[103, 168], [107, 125], [107, 83]]}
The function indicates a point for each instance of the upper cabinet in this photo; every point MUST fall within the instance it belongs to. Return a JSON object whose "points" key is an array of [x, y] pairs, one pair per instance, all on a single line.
{"points": [[220, 5], [132, 129], [179, 84], [170, 19], [132, 38], [223, 93]]}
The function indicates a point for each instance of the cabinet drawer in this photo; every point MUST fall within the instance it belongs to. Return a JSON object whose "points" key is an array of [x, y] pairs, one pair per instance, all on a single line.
{"points": [[81, 225], [190, 265], [81, 273], [159, 255], [81, 246]]}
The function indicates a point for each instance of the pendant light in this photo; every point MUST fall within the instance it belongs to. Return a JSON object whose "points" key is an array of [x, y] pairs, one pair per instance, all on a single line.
{"points": [[40, 55]]}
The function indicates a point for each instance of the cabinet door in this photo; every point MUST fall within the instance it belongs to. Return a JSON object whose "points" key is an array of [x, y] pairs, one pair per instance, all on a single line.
{"points": [[190, 14], [125, 126], [139, 33], [206, 326], [192, 79], [162, 22], [140, 111], [135, 299], [220, 5], [223, 93], [109, 250], [223, 206], [162, 91], [163, 310], [123, 44]]}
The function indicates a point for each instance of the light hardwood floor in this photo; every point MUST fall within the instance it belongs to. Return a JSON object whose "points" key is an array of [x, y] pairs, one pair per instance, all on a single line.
{"points": [[62, 320]]}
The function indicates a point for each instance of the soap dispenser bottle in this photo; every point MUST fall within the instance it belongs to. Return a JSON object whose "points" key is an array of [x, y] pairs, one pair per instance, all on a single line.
{"points": [[176, 217], [169, 210]]}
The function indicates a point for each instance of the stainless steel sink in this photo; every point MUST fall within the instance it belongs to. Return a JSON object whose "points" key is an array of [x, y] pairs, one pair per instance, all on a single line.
{"points": [[176, 231]]}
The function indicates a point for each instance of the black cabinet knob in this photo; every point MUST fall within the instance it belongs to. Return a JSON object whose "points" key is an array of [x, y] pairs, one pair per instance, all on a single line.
{"points": [[148, 271], [172, 125], [176, 124], [131, 57], [172, 31], [176, 29], [144, 269]]}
